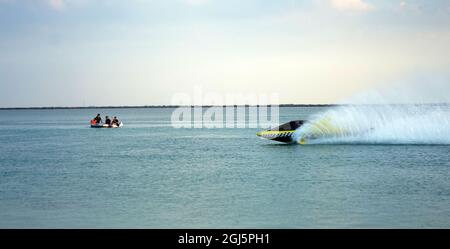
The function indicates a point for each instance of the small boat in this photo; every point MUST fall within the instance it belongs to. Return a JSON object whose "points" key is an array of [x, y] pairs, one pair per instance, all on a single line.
{"points": [[101, 125]]}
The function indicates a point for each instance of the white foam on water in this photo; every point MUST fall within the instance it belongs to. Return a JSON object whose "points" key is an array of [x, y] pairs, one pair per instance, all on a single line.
{"points": [[405, 124], [382, 120]]}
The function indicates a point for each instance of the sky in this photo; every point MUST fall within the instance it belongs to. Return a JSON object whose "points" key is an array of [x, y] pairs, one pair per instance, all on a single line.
{"points": [[137, 52]]}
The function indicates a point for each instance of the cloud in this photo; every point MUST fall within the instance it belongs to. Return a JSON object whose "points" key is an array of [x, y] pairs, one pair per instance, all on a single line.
{"points": [[351, 5], [56, 4]]}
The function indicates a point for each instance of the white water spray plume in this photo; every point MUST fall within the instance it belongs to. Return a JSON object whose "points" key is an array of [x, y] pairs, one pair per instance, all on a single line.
{"points": [[416, 113]]}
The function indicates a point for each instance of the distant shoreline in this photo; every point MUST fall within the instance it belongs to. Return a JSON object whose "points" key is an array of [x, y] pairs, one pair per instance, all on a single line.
{"points": [[204, 106], [149, 106]]}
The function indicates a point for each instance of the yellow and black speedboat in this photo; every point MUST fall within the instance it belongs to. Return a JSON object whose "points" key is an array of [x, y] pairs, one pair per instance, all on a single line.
{"points": [[283, 133]]}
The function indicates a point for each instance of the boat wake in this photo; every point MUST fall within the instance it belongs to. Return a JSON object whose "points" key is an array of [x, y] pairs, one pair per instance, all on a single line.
{"points": [[378, 124]]}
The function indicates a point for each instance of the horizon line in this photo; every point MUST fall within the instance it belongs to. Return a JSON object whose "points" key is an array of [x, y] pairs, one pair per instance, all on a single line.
{"points": [[151, 106], [206, 106]]}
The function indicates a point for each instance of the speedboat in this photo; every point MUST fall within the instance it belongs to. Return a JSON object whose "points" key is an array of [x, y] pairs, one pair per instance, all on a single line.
{"points": [[283, 133]]}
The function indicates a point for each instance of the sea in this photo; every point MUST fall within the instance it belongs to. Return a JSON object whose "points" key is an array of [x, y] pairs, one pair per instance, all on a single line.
{"points": [[57, 172]]}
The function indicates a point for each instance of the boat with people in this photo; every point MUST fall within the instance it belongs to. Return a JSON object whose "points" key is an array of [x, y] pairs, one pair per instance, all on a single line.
{"points": [[97, 122], [106, 126]]}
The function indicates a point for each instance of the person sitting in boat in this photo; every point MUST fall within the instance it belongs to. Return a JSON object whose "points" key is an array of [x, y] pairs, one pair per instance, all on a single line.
{"points": [[107, 121], [115, 121], [97, 119]]}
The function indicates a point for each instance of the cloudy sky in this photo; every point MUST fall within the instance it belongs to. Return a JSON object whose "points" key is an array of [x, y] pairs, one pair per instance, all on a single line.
{"points": [[137, 52]]}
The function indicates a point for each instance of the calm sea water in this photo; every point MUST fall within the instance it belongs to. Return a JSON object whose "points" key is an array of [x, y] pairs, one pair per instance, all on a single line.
{"points": [[56, 172]]}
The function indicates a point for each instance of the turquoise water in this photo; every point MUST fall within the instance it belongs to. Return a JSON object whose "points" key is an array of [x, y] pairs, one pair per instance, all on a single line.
{"points": [[56, 172]]}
